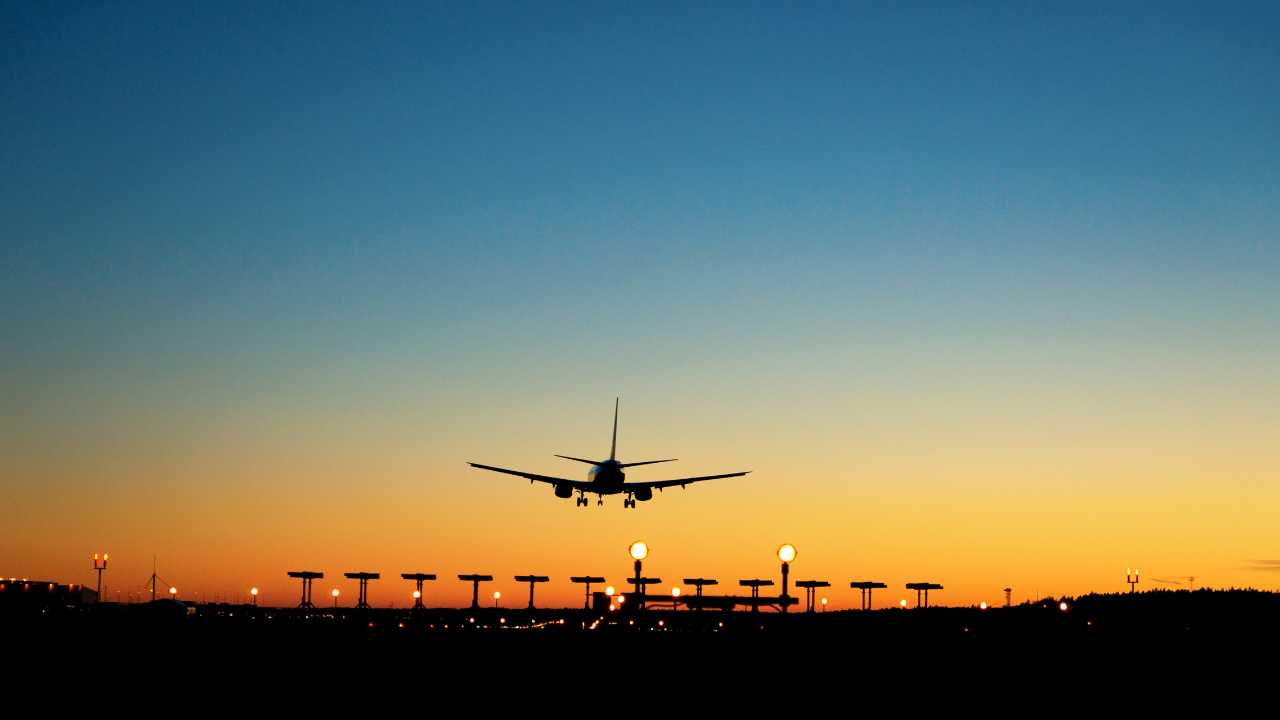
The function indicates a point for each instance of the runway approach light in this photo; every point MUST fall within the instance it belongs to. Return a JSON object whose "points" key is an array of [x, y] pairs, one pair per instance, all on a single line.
{"points": [[639, 550], [417, 594], [903, 603], [253, 591], [982, 605], [173, 591], [675, 592], [1062, 607], [609, 591], [497, 595], [787, 553], [335, 593]]}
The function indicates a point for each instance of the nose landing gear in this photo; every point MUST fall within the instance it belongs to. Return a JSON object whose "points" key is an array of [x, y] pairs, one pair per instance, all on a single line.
{"points": [[628, 502], [581, 501]]}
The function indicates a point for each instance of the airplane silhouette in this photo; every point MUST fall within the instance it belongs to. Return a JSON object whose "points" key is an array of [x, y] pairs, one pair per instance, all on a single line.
{"points": [[607, 478]]}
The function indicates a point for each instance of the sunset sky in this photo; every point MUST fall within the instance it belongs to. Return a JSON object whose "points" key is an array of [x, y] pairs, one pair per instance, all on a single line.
{"points": [[982, 294]]}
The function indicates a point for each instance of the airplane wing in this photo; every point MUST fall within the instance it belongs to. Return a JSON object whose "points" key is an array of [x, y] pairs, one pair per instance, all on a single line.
{"points": [[681, 482], [575, 484]]}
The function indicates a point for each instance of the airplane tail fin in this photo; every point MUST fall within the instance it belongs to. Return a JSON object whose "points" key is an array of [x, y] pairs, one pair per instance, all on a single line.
{"points": [[613, 450]]}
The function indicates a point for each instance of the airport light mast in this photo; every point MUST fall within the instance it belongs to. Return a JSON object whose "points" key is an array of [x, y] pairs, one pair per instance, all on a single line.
{"points": [[99, 568], [1131, 578], [786, 554]]}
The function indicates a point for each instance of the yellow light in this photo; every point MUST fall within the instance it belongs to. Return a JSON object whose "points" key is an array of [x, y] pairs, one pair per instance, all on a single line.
{"points": [[173, 591], [639, 550], [497, 595], [824, 601], [253, 591], [675, 592], [609, 591], [335, 593], [787, 553], [621, 598], [95, 556], [903, 603], [611, 607], [1062, 606], [982, 605], [417, 594], [104, 557]]}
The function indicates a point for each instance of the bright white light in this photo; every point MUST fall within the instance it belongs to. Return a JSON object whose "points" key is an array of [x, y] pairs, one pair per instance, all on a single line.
{"points": [[787, 553], [903, 603], [497, 595], [609, 591], [675, 592], [639, 550], [982, 605], [335, 593], [173, 591], [1062, 606], [417, 594]]}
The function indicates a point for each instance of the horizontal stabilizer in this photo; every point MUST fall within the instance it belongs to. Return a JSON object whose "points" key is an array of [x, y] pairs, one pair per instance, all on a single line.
{"points": [[589, 462], [646, 462]]}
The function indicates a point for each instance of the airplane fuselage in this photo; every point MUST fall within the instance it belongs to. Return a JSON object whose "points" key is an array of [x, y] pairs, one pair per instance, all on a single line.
{"points": [[606, 478]]}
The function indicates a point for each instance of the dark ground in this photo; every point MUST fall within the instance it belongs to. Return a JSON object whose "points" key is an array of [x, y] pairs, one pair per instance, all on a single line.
{"points": [[1212, 649]]}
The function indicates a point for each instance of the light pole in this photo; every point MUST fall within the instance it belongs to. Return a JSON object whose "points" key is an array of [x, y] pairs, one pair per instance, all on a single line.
{"points": [[496, 597], [99, 568], [1131, 578], [675, 599], [824, 604], [786, 554], [639, 551], [254, 593], [335, 598]]}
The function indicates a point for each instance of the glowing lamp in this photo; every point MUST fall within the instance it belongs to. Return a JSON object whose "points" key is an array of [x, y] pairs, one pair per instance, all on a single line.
{"points": [[253, 591], [824, 601], [335, 593], [903, 603], [417, 594], [982, 605], [639, 550], [787, 553], [1062, 607], [675, 592], [621, 598], [497, 595], [173, 591]]}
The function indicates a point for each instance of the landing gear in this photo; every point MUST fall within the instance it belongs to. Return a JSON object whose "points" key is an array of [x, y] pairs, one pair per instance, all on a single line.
{"points": [[581, 501], [600, 501], [628, 502]]}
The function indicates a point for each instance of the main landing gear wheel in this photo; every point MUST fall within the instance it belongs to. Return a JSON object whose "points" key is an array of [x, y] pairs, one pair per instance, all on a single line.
{"points": [[600, 501], [628, 502], [581, 501]]}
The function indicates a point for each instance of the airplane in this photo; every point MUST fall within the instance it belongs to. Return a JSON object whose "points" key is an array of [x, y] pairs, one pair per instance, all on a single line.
{"points": [[606, 477]]}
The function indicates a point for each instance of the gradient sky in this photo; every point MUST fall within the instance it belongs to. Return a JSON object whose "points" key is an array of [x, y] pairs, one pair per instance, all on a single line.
{"points": [[982, 293]]}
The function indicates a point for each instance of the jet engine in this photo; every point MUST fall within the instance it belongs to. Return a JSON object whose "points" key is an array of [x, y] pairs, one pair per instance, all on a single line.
{"points": [[644, 493], [564, 491]]}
